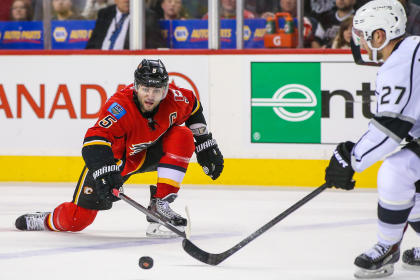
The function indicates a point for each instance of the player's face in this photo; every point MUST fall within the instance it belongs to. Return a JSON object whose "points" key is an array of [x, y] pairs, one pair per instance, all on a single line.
{"points": [[149, 97], [375, 42]]}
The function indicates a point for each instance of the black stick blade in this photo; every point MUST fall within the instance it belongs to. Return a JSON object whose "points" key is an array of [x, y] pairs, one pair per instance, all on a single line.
{"points": [[215, 259], [197, 253]]}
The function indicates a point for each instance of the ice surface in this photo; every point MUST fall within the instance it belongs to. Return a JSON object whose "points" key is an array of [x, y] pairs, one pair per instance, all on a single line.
{"points": [[318, 241]]}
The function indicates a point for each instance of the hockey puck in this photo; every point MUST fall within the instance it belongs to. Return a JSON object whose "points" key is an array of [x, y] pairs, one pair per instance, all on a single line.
{"points": [[146, 262]]}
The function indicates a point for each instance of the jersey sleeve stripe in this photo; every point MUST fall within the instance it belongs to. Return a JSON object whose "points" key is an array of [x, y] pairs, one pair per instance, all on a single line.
{"points": [[90, 138], [197, 106], [413, 60], [393, 127], [396, 116], [97, 142]]}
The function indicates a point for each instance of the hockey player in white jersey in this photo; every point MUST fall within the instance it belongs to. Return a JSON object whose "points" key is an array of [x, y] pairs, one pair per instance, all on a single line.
{"points": [[379, 28]]}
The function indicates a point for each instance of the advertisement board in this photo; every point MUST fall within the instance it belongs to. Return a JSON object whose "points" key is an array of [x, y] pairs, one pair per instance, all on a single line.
{"points": [[271, 115], [193, 33], [21, 35], [286, 105], [47, 105], [309, 102], [71, 34]]}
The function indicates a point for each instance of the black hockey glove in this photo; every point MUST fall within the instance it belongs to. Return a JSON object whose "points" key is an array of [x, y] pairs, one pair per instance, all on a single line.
{"points": [[107, 177], [208, 155], [339, 172]]}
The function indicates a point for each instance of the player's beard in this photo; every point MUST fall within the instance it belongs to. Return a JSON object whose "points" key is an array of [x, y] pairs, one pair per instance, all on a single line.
{"points": [[149, 108]]}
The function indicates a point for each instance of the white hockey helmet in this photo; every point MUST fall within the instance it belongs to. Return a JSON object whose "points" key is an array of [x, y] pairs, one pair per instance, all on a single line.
{"points": [[388, 15]]}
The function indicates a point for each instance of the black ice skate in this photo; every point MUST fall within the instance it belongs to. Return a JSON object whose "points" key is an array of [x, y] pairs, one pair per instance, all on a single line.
{"points": [[378, 262], [32, 221], [411, 259], [161, 207]]}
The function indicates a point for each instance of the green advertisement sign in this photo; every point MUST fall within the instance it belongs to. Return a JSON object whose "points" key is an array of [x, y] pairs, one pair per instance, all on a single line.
{"points": [[285, 102]]}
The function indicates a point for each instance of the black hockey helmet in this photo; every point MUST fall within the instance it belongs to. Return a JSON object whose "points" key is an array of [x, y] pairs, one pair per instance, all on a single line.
{"points": [[151, 73]]}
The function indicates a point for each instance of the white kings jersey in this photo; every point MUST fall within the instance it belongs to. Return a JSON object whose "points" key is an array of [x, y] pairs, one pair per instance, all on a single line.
{"points": [[398, 106]]}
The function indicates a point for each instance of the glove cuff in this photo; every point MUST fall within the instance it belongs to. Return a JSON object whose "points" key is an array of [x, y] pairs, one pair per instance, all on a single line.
{"points": [[202, 138], [106, 169]]}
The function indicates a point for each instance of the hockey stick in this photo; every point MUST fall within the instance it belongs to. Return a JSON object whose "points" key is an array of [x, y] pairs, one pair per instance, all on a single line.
{"points": [[215, 259], [159, 219]]}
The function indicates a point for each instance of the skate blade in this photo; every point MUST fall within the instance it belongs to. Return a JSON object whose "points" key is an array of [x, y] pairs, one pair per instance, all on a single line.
{"points": [[155, 230], [377, 273], [411, 267]]}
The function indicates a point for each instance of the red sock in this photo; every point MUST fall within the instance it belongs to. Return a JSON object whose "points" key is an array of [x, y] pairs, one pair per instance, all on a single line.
{"points": [[70, 217], [165, 189]]}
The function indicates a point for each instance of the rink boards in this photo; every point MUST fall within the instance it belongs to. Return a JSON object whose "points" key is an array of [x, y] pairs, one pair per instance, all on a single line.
{"points": [[276, 116]]}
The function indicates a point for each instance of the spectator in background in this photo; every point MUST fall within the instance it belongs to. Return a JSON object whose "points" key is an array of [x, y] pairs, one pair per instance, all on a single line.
{"points": [[111, 28], [172, 9], [342, 40], [21, 10], [64, 10], [194, 8], [316, 8], [228, 10], [153, 5], [413, 17], [259, 7], [286, 6], [290, 6], [330, 21], [360, 3], [5, 9], [90, 11]]}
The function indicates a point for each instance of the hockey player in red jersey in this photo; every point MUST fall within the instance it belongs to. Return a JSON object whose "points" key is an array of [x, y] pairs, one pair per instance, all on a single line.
{"points": [[138, 130]]}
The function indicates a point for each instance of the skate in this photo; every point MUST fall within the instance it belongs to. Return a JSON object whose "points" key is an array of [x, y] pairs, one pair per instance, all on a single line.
{"points": [[32, 221], [161, 207], [411, 259], [377, 262]]}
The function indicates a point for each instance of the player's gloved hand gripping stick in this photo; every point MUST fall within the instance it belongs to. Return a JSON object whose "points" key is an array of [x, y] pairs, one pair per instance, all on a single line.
{"points": [[106, 179], [339, 172]]}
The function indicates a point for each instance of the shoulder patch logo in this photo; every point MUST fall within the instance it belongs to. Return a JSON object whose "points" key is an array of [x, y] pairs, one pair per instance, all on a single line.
{"points": [[172, 118], [117, 110]]}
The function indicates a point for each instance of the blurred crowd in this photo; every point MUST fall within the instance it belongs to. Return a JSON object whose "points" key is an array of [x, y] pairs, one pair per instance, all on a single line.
{"points": [[329, 21]]}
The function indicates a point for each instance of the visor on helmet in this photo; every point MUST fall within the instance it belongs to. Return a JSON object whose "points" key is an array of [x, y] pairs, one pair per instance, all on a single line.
{"points": [[357, 35]]}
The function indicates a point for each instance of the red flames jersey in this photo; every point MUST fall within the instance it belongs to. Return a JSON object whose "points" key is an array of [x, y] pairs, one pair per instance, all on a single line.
{"points": [[122, 127]]}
